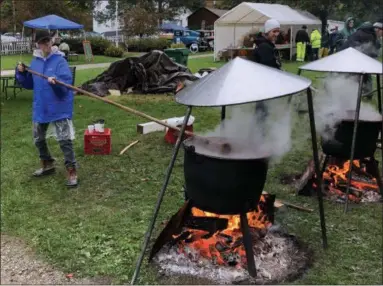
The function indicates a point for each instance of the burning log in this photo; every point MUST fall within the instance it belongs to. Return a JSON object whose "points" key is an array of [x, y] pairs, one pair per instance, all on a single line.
{"points": [[308, 174], [237, 243], [179, 238], [209, 224], [228, 239], [341, 194], [221, 247]]}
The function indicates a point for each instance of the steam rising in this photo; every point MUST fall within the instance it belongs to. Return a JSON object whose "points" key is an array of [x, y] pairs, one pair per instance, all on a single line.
{"points": [[335, 99], [272, 134]]}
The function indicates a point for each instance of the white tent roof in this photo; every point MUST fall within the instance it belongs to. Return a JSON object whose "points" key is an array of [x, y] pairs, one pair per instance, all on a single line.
{"points": [[258, 13], [346, 61]]}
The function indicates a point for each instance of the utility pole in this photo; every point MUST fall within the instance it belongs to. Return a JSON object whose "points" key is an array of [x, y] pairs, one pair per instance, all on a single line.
{"points": [[14, 16], [117, 23]]}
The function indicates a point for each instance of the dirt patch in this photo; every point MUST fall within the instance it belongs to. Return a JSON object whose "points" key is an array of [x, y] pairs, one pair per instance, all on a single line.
{"points": [[19, 265]]}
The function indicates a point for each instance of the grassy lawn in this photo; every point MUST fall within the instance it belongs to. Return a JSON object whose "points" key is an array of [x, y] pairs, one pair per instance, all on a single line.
{"points": [[97, 229], [9, 62]]}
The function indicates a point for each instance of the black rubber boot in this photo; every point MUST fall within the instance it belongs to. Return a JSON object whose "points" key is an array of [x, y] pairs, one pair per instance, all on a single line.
{"points": [[72, 181], [47, 168]]}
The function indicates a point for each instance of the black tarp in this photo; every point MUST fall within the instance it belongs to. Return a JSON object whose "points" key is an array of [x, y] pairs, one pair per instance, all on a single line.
{"points": [[152, 73]]}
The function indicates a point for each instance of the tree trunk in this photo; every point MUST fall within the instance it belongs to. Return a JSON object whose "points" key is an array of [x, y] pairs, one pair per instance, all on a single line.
{"points": [[323, 17]]}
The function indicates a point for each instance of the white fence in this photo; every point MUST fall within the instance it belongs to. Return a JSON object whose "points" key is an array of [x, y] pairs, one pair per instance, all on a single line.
{"points": [[24, 46], [120, 38], [16, 47]]}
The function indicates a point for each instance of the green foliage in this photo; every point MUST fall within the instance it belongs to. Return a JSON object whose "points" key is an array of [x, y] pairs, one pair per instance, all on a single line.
{"points": [[147, 44], [177, 46], [115, 52], [140, 20], [74, 10], [99, 45], [162, 9]]}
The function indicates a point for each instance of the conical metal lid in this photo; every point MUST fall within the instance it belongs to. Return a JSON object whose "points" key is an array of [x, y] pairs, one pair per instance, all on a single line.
{"points": [[346, 61], [241, 81]]}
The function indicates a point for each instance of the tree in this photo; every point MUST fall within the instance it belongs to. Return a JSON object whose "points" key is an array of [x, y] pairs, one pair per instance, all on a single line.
{"points": [[164, 9], [139, 20], [76, 10]]}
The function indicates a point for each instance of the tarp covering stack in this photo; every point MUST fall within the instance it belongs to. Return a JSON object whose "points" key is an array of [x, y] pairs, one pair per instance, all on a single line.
{"points": [[153, 72]]}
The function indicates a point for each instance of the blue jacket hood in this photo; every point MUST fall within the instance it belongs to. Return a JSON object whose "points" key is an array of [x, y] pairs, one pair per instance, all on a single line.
{"points": [[50, 102]]}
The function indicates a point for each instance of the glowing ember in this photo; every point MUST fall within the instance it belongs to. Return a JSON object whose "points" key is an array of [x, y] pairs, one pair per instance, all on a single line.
{"points": [[225, 247], [363, 185]]}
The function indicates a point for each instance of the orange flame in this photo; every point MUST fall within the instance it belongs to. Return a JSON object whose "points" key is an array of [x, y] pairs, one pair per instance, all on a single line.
{"points": [[207, 246], [336, 177]]}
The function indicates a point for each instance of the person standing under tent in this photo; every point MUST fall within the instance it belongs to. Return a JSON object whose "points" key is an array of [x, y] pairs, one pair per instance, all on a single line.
{"points": [[332, 40], [267, 54], [346, 32], [52, 104], [64, 47], [325, 44], [315, 40], [302, 39]]}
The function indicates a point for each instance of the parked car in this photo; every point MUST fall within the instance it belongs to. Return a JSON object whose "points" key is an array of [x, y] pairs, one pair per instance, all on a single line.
{"points": [[13, 35], [191, 39], [8, 39], [208, 37]]}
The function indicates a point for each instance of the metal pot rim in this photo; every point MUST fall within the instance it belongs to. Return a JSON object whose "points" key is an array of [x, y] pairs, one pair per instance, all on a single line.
{"points": [[223, 156]]}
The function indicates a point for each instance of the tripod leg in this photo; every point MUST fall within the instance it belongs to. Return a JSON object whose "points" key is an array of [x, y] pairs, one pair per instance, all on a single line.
{"points": [[248, 245]]}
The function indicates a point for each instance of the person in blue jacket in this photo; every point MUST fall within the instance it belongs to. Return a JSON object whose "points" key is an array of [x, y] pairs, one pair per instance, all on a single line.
{"points": [[52, 104]]}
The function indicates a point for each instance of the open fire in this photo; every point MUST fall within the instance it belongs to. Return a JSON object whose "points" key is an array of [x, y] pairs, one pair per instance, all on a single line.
{"points": [[210, 246], [363, 188], [224, 247], [364, 185]]}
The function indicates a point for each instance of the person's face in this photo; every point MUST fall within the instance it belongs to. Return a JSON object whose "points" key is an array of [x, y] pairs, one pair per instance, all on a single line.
{"points": [[273, 35], [379, 32], [351, 23], [45, 46]]}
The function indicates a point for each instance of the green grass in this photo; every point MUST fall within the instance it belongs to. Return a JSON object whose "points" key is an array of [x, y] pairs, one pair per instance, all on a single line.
{"points": [[97, 229], [9, 62]]}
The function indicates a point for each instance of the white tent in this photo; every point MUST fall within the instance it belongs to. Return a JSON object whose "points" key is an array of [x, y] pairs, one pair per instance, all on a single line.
{"points": [[230, 29]]}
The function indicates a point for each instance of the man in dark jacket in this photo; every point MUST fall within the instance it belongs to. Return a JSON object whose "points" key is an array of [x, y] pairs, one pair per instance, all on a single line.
{"points": [[332, 39], [366, 40], [302, 39], [52, 103], [266, 54]]}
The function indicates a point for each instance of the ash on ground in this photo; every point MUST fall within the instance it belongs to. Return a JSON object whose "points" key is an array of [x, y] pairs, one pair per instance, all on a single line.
{"points": [[279, 257], [371, 197]]}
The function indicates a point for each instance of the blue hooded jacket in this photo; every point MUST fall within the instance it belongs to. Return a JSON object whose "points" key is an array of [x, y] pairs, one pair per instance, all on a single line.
{"points": [[51, 102]]}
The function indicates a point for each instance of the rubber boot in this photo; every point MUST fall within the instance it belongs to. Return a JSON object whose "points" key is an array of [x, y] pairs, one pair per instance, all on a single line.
{"points": [[72, 181], [47, 168]]}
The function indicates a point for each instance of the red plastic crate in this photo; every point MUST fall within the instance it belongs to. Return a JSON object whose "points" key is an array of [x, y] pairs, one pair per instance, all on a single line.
{"points": [[97, 143]]}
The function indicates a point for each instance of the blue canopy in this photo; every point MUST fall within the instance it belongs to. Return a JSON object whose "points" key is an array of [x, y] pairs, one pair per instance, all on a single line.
{"points": [[172, 27], [52, 22]]}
